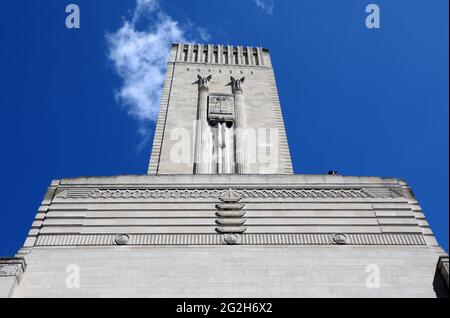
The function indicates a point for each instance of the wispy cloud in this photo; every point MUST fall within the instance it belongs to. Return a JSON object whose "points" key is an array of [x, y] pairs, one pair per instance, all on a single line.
{"points": [[139, 51], [266, 5]]}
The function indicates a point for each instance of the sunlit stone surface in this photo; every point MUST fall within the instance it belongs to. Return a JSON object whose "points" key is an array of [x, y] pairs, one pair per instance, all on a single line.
{"points": [[221, 214]]}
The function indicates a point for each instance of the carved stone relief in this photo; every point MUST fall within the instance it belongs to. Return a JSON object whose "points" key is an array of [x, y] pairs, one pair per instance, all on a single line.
{"points": [[236, 84], [221, 108], [220, 193], [203, 81]]}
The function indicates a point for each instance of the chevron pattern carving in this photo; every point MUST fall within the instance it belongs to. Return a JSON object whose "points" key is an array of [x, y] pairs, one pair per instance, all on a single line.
{"points": [[218, 193]]}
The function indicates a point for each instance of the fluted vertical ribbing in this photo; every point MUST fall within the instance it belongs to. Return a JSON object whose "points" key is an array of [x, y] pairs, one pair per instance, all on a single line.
{"points": [[201, 165], [240, 119], [228, 162], [220, 141]]}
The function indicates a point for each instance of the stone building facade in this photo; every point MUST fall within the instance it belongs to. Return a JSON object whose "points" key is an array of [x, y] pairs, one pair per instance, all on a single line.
{"points": [[221, 214]]}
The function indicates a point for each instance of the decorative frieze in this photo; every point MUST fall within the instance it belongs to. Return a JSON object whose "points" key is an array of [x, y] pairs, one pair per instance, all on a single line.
{"points": [[244, 239], [319, 193]]}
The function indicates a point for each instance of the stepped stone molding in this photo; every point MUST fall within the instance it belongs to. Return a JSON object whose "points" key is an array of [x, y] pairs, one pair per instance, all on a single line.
{"points": [[218, 193], [227, 221], [219, 239], [231, 229], [12, 267], [230, 206], [230, 216]]}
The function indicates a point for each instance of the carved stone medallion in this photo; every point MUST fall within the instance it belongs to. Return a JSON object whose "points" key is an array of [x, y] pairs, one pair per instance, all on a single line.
{"points": [[340, 239], [122, 239], [232, 239]]}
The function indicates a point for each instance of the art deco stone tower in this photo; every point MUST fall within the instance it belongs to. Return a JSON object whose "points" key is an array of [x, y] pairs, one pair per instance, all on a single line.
{"points": [[221, 214], [220, 114]]}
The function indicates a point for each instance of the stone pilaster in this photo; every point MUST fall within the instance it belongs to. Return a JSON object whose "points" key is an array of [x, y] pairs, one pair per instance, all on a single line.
{"points": [[202, 140], [240, 122]]}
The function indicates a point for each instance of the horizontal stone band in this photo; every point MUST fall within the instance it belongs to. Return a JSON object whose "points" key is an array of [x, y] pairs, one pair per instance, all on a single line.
{"points": [[380, 192], [217, 239]]}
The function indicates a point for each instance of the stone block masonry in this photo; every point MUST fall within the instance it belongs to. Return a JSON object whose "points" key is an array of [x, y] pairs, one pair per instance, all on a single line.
{"points": [[227, 218]]}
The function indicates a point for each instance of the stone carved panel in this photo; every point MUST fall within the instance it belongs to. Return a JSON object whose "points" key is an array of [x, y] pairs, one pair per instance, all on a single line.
{"points": [[221, 108]]}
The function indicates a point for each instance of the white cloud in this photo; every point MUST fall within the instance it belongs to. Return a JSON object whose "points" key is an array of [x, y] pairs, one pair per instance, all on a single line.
{"points": [[139, 52], [203, 35], [266, 5]]}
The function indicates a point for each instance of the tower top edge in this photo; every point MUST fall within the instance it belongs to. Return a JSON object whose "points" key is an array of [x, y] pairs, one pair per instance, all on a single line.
{"points": [[219, 54], [264, 49]]}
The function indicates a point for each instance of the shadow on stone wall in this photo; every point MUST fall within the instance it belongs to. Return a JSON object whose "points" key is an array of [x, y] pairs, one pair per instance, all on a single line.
{"points": [[439, 285]]}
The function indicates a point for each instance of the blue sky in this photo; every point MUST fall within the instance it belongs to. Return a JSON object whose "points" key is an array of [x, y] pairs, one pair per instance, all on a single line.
{"points": [[363, 102]]}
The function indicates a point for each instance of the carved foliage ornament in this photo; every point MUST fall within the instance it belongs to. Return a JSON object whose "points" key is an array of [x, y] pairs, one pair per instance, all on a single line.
{"points": [[236, 84], [203, 81]]}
